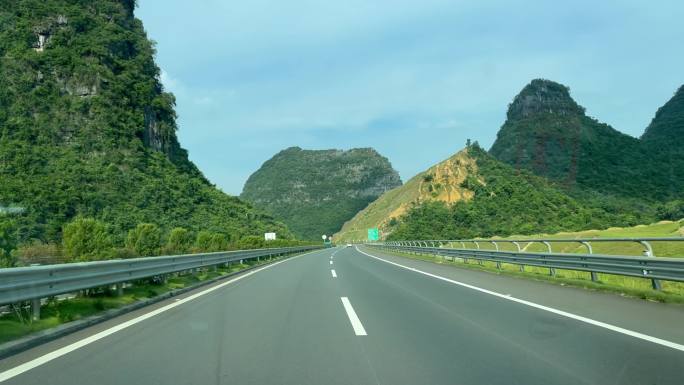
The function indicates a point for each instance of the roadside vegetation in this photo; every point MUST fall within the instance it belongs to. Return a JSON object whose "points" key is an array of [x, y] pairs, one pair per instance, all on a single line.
{"points": [[630, 286], [88, 239]]}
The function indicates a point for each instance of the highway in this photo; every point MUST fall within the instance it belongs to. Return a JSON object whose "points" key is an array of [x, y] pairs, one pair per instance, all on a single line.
{"points": [[340, 316]]}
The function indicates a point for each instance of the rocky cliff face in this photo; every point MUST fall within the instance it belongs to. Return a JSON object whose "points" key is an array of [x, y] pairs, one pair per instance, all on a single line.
{"points": [[543, 97], [315, 191]]}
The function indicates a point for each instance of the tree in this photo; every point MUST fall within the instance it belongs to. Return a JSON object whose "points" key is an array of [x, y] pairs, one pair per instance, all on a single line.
{"points": [[86, 239], [203, 241], [219, 242], [251, 242], [210, 242], [7, 241], [180, 241], [145, 239], [672, 211]]}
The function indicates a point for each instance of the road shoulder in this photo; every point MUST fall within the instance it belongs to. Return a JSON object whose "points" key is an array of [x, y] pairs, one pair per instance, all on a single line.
{"points": [[660, 320]]}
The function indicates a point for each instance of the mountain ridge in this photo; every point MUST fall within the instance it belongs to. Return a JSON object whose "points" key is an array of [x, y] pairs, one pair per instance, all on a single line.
{"points": [[494, 200], [315, 191], [548, 133]]}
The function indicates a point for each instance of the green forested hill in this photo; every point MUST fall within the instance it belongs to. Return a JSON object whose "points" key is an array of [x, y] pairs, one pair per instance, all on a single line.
{"points": [[506, 201], [563, 171], [315, 191], [86, 129], [663, 140], [547, 132]]}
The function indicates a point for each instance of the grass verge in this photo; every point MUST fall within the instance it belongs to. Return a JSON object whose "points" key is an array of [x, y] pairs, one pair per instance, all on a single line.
{"points": [[18, 324], [672, 292]]}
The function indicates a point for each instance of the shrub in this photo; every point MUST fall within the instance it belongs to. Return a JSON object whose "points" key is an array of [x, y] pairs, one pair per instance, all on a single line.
{"points": [[145, 239], [38, 252], [219, 242], [86, 239], [123, 253], [672, 211], [251, 242], [203, 241], [7, 241], [180, 241]]}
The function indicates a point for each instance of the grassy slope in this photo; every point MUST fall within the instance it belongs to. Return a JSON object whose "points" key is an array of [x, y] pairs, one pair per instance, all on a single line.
{"points": [[660, 229], [379, 210]]}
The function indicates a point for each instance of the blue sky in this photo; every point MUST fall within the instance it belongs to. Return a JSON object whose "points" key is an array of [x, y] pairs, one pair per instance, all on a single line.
{"points": [[413, 79]]}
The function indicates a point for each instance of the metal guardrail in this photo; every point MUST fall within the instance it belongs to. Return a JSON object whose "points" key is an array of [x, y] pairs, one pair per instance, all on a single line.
{"points": [[33, 283], [656, 269], [586, 242]]}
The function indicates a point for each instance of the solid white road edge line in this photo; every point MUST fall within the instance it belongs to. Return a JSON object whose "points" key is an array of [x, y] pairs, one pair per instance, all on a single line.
{"points": [[334, 274], [17, 370], [590, 321], [353, 318]]}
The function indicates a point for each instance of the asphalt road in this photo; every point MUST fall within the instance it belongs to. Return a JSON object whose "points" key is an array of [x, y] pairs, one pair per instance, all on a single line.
{"points": [[369, 322]]}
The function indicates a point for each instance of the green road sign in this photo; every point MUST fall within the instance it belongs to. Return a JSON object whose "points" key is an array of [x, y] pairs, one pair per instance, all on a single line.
{"points": [[373, 234]]}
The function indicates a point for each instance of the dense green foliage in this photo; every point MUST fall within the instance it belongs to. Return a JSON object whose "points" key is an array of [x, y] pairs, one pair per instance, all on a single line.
{"points": [[663, 140], [315, 192], [145, 239], [211, 241], [547, 133], [506, 201], [180, 241], [86, 129], [87, 239]]}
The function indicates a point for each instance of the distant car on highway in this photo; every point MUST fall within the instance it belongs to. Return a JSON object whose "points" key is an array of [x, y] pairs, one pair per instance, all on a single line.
{"points": [[349, 245]]}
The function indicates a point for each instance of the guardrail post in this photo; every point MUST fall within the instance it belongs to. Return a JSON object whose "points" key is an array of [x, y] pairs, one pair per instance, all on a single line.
{"points": [[496, 246], [35, 309], [118, 289], [655, 283], [594, 276], [522, 267], [552, 271], [477, 244], [440, 244]]}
